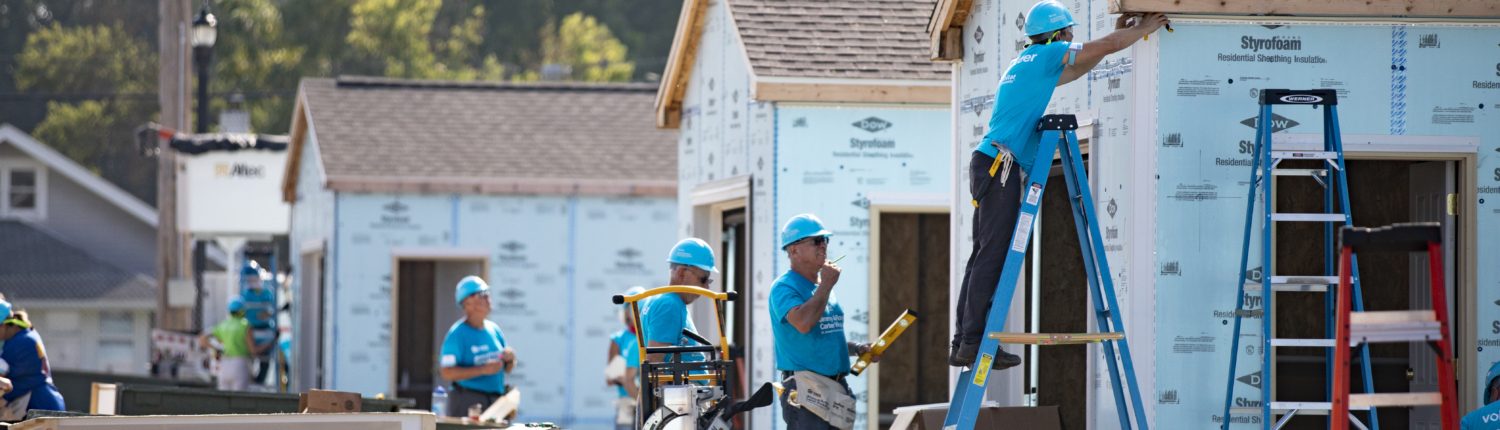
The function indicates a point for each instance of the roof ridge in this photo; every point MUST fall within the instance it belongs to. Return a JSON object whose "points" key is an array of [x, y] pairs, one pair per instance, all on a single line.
{"points": [[352, 82]]}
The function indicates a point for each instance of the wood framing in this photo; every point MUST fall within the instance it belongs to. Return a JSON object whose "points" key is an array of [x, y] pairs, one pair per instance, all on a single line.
{"points": [[294, 156], [840, 92], [1351, 8], [947, 27], [505, 186], [674, 79]]}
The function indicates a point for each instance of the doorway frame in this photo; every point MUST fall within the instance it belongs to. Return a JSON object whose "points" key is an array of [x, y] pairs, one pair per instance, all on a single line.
{"points": [[880, 204], [1464, 152], [709, 201], [433, 254], [315, 250]]}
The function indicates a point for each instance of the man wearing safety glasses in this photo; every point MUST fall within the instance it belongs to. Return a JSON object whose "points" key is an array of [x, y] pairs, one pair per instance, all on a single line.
{"points": [[664, 317]]}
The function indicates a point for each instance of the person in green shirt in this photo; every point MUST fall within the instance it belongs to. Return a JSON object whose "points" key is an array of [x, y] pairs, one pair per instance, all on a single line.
{"points": [[236, 346]]}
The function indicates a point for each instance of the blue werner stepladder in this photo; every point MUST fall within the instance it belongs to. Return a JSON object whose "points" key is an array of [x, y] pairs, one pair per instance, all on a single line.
{"points": [[1254, 284], [1057, 133]]}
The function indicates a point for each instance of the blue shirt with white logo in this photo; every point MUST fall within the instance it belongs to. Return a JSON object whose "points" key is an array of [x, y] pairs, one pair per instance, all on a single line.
{"points": [[629, 351], [1485, 418], [466, 346], [663, 318], [824, 349], [1021, 100]]}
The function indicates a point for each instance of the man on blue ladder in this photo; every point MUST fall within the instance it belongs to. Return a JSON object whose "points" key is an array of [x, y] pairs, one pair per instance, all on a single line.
{"points": [[664, 317], [1488, 416], [1000, 163]]}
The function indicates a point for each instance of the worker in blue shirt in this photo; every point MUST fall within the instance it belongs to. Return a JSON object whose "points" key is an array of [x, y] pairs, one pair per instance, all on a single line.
{"points": [[1488, 416], [1001, 161], [260, 311], [807, 321], [665, 317], [474, 356], [30, 373], [623, 344]]}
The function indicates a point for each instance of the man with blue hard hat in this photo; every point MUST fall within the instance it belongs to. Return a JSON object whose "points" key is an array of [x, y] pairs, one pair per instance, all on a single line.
{"points": [[1488, 416], [807, 323], [474, 356], [236, 346], [1002, 160], [260, 311], [664, 317]]}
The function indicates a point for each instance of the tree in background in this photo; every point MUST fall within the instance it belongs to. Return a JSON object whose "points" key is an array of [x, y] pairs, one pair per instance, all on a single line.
{"points": [[110, 67], [398, 35], [588, 49]]}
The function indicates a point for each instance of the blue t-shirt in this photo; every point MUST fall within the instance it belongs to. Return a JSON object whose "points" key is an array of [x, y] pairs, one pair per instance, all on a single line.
{"points": [[1021, 100], [260, 308], [824, 349], [663, 319], [629, 351], [30, 372], [1485, 418], [466, 346]]}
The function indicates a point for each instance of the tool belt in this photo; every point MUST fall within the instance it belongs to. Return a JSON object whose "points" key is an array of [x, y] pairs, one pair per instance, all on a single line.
{"points": [[1004, 161], [823, 396]]}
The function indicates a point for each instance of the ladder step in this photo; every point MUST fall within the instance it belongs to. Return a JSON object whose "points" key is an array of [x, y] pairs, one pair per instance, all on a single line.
{"points": [[1313, 217], [1302, 408], [1300, 172], [1378, 400], [1301, 284], [1314, 343], [1394, 326], [1304, 155], [1055, 338]]}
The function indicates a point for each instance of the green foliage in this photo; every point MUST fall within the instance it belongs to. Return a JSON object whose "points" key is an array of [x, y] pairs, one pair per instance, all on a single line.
{"points": [[398, 33], [588, 48]]}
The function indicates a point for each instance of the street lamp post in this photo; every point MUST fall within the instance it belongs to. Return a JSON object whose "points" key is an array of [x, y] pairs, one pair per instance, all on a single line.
{"points": [[205, 32]]}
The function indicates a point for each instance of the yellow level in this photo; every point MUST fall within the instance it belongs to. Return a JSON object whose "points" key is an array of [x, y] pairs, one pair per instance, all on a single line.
{"points": [[906, 319]]}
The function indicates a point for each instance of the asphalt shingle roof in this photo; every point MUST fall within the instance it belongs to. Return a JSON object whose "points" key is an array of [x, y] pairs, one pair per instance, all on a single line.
{"points": [[377, 127], [36, 265], [851, 39]]}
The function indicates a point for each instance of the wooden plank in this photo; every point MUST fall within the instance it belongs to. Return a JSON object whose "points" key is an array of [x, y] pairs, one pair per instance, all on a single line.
{"points": [[851, 93], [680, 64], [1055, 338], [1381, 400], [1351, 8], [1391, 317]]}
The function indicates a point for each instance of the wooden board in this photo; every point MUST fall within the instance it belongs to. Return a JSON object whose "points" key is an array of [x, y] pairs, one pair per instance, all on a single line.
{"points": [[1380, 400], [852, 93], [1351, 8], [1055, 338]]}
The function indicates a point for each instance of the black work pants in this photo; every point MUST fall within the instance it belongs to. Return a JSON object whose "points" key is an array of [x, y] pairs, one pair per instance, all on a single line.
{"points": [[999, 200]]}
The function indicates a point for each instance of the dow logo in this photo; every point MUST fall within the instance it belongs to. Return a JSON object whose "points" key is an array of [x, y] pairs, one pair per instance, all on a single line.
{"points": [[1252, 379], [1278, 122], [395, 207], [862, 203], [978, 34], [872, 124]]}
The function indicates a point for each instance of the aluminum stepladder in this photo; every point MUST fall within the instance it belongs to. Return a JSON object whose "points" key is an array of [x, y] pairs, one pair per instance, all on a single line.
{"points": [[968, 395], [1429, 326], [1335, 213]]}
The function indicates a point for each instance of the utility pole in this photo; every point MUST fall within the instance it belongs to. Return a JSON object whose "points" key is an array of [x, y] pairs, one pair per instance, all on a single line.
{"points": [[172, 80]]}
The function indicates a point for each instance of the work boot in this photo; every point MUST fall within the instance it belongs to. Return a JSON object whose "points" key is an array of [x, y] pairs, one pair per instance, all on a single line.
{"points": [[962, 355]]}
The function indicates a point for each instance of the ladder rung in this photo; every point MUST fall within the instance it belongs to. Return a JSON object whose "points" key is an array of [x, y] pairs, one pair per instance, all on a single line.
{"points": [[1377, 400], [1313, 217], [1302, 408], [1288, 288], [1299, 172], [1055, 338], [1315, 343], [1303, 284], [1394, 326], [1304, 155]]}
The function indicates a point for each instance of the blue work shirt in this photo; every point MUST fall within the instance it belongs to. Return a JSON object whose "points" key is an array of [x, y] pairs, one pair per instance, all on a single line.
{"points": [[824, 349], [628, 351], [1485, 418], [466, 346], [260, 307], [1021, 100], [30, 371], [663, 319]]}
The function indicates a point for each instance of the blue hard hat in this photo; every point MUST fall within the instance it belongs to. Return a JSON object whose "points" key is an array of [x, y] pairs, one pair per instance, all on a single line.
{"points": [[236, 304], [1488, 379], [5, 310], [1047, 16], [631, 292], [468, 286], [693, 252], [801, 227], [251, 268]]}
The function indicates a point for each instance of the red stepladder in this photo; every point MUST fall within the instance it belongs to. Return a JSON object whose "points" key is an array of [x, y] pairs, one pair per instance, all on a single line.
{"points": [[1429, 326]]}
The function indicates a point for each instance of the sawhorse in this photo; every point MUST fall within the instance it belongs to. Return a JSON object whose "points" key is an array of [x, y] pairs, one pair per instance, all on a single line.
{"points": [[1057, 131]]}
